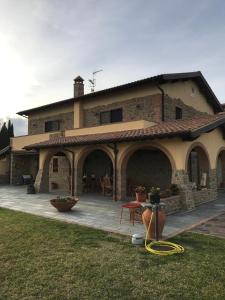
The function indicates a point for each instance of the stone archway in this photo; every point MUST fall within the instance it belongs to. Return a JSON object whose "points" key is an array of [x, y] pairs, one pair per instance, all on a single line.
{"points": [[55, 176], [145, 165], [59, 173], [198, 167], [92, 165], [220, 169]]}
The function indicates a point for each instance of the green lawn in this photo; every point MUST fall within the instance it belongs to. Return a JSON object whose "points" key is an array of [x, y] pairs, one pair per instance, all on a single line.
{"points": [[46, 259]]}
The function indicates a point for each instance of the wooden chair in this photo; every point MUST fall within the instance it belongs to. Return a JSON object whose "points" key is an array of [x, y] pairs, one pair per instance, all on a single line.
{"points": [[106, 185]]}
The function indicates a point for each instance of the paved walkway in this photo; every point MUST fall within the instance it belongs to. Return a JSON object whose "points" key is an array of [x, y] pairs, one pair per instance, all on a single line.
{"points": [[103, 213], [215, 227]]}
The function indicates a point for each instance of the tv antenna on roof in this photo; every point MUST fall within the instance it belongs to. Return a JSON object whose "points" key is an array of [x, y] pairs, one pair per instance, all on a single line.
{"points": [[93, 80]]}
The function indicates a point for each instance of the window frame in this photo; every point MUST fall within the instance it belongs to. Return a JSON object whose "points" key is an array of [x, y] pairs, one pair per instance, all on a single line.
{"points": [[55, 165], [110, 112], [52, 129], [178, 113]]}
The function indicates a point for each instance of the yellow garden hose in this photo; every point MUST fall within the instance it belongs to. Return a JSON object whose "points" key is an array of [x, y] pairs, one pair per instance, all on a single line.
{"points": [[171, 248]]}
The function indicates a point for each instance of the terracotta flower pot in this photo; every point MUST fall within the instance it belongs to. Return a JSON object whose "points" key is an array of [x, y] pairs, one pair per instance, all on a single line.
{"points": [[141, 197], [63, 206], [146, 218]]}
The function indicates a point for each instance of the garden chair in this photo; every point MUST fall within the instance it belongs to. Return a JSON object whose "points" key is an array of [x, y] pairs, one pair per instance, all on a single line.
{"points": [[106, 185]]}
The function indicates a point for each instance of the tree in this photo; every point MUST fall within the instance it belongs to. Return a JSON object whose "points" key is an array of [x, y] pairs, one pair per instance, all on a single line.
{"points": [[10, 129], [4, 136]]}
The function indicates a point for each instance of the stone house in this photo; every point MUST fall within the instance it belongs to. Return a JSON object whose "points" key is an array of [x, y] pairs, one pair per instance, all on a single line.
{"points": [[157, 131]]}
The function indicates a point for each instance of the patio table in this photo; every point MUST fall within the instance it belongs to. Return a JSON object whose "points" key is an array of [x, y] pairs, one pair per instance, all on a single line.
{"points": [[132, 206]]}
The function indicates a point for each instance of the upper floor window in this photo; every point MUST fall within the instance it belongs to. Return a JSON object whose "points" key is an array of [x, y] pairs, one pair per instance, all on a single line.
{"points": [[111, 116], [178, 113], [52, 126]]}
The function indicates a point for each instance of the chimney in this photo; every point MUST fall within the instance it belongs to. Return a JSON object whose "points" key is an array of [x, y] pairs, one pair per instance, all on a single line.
{"points": [[78, 86]]}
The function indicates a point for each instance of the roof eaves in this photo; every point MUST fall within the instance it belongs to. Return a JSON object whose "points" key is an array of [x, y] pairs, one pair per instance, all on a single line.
{"points": [[194, 134]]}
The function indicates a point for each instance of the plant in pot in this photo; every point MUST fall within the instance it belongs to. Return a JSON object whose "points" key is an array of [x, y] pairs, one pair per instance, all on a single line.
{"points": [[155, 195], [140, 192], [63, 204]]}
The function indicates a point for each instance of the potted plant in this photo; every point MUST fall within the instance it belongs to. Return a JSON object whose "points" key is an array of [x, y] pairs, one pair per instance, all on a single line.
{"points": [[155, 195], [140, 192], [63, 204]]}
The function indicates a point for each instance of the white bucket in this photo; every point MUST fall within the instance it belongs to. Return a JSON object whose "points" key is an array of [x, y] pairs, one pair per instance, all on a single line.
{"points": [[137, 239]]}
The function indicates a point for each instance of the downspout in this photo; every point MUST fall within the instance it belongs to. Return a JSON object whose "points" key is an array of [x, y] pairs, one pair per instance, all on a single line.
{"points": [[163, 102], [72, 175]]}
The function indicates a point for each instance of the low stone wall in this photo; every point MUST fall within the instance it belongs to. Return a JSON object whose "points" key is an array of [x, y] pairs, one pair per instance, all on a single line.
{"points": [[204, 196], [173, 204], [23, 165]]}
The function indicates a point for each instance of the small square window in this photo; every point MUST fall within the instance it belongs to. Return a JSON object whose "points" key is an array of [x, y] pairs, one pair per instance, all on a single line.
{"points": [[55, 165], [111, 116], [105, 117], [52, 126], [178, 113], [116, 115]]}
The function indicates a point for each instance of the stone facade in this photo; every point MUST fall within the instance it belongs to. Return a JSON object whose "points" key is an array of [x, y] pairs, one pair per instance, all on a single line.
{"points": [[23, 165], [147, 108], [170, 105], [37, 126], [143, 108], [192, 198], [60, 179], [173, 204]]}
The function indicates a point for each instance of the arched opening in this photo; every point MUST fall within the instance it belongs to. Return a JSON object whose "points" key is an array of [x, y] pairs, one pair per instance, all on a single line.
{"points": [[198, 168], [97, 175], [149, 168], [56, 177], [220, 170]]}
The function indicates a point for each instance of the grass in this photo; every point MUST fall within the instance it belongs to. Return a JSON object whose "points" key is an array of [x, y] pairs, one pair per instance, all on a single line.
{"points": [[47, 259]]}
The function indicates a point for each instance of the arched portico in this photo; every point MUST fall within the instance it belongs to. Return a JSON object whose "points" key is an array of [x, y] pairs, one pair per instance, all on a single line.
{"points": [[55, 172], [198, 166], [220, 170], [148, 165], [93, 164]]}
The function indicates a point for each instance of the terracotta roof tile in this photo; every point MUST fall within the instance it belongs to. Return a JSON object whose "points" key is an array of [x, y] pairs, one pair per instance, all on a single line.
{"points": [[161, 130]]}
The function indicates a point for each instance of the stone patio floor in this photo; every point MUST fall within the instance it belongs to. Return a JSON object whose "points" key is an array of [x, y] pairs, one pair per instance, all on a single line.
{"points": [[215, 227], [103, 213]]}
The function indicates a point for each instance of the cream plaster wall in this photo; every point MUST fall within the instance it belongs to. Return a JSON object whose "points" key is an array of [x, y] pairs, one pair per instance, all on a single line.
{"points": [[178, 149], [183, 90], [78, 114], [175, 148], [110, 128], [17, 143]]}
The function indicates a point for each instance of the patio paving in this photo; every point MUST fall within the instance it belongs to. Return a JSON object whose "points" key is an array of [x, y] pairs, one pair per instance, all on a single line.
{"points": [[215, 227], [103, 213]]}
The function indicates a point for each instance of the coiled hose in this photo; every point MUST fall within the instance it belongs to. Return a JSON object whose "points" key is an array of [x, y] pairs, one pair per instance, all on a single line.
{"points": [[162, 248]]}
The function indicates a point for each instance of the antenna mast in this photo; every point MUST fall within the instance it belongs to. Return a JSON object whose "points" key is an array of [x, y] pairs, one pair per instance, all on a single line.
{"points": [[93, 80]]}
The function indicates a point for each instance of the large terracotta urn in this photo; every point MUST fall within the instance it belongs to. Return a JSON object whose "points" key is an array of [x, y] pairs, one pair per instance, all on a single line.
{"points": [[147, 217]]}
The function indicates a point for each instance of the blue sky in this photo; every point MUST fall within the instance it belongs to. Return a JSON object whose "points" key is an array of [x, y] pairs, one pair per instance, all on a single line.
{"points": [[44, 44]]}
